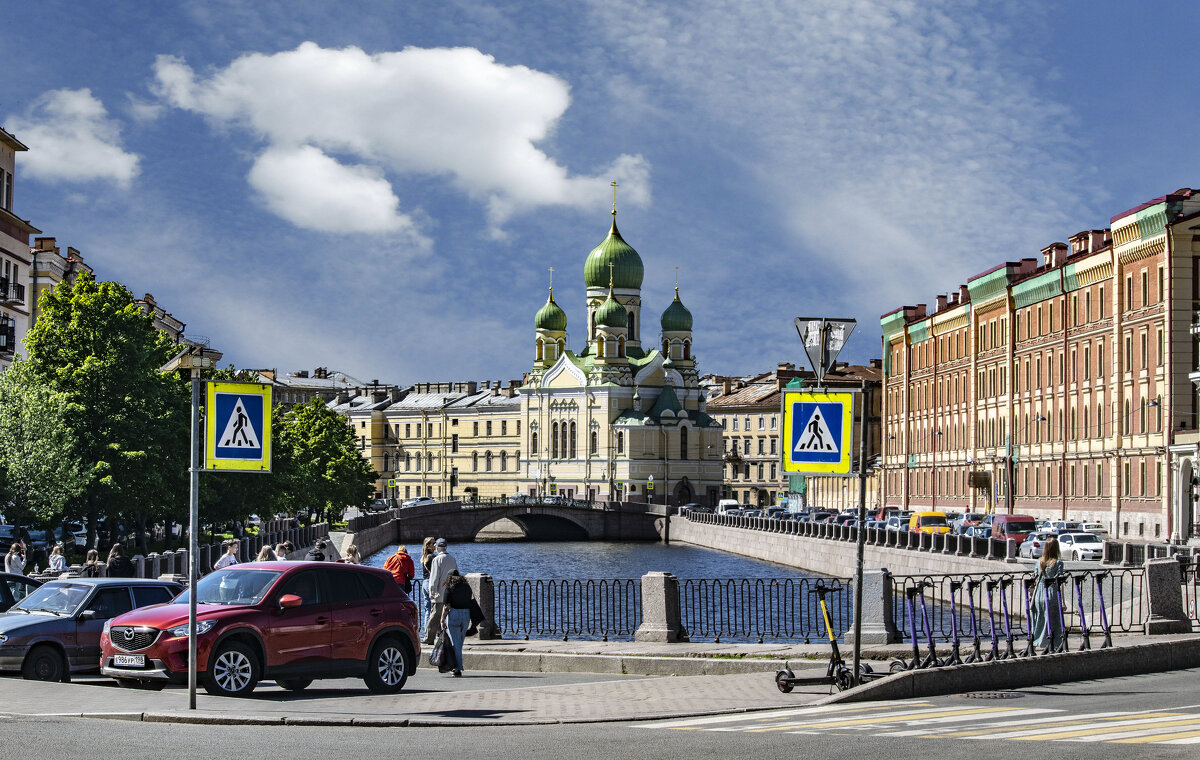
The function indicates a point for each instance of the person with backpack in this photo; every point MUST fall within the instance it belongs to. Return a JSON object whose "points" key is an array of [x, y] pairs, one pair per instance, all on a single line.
{"points": [[402, 568]]}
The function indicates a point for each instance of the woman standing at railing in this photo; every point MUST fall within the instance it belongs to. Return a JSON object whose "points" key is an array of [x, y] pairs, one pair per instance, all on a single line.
{"points": [[1044, 619]]}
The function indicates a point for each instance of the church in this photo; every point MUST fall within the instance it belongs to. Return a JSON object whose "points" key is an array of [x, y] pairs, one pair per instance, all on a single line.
{"points": [[622, 419]]}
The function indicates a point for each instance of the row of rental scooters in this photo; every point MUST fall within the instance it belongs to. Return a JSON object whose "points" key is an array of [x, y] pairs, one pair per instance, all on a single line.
{"points": [[842, 676]]}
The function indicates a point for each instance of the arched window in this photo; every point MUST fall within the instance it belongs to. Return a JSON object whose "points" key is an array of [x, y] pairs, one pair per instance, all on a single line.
{"points": [[666, 348], [429, 462], [572, 440], [600, 348], [562, 433], [562, 345], [621, 346], [475, 461], [620, 443], [418, 462], [487, 462], [503, 461], [683, 443], [533, 443], [594, 444], [687, 350], [632, 331], [554, 441], [539, 349], [386, 461]]}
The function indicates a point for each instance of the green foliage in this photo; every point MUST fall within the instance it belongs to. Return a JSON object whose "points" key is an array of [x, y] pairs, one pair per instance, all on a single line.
{"points": [[325, 472]]}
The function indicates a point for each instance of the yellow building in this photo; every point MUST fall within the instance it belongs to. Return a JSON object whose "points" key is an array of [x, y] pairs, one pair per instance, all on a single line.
{"points": [[624, 418]]}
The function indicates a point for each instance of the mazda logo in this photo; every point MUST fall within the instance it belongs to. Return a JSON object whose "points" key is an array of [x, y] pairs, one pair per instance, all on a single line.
{"points": [[129, 634]]}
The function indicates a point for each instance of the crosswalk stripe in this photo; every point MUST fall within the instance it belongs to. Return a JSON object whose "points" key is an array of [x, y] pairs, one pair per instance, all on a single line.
{"points": [[893, 718], [1110, 728], [791, 712], [926, 731], [1050, 722]]}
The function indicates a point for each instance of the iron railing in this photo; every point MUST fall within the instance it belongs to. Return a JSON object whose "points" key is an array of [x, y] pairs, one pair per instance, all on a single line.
{"points": [[1191, 590], [756, 609], [566, 609], [1125, 602]]}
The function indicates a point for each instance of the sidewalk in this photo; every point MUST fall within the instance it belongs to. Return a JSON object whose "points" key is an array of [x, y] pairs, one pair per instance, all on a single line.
{"points": [[508, 682]]}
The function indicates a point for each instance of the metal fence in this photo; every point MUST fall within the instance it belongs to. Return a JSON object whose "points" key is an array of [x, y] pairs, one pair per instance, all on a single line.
{"points": [[1191, 590], [580, 609], [756, 609], [1126, 604]]}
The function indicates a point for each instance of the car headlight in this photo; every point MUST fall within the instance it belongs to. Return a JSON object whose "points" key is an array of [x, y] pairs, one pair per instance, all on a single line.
{"points": [[107, 626], [3, 638], [202, 627]]}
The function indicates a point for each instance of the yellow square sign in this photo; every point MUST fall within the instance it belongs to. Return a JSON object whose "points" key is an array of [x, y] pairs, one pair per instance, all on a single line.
{"points": [[818, 428], [238, 427]]}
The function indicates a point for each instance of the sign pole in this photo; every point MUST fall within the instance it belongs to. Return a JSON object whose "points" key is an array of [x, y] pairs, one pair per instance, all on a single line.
{"points": [[862, 531], [194, 537]]}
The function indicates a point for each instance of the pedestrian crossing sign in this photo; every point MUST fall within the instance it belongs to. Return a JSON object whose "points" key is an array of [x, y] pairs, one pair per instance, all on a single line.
{"points": [[238, 427], [817, 432]]}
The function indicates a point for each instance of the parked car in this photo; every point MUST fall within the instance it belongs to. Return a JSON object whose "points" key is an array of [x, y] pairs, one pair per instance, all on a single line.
{"points": [[1096, 529], [961, 522], [1032, 546], [380, 505], [418, 501], [14, 588], [928, 522], [897, 522], [1016, 527], [292, 622], [56, 630], [1064, 526], [1080, 545], [978, 531]]}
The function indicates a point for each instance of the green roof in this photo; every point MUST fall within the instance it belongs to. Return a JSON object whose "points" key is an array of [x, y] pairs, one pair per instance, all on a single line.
{"points": [[551, 316], [627, 268], [676, 318], [611, 313]]}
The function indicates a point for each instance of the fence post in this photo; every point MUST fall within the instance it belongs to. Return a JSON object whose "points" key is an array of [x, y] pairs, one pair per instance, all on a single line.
{"points": [[661, 615], [1164, 585], [1012, 550], [1113, 552], [878, 627], [485, 593], [139, 566]]}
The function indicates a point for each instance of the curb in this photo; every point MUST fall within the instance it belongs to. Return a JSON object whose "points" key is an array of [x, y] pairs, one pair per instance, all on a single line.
{"points": [[1065, 667]]}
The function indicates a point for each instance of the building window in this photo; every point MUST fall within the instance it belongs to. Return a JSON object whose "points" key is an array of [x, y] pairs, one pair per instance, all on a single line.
{"points": [[774, 422], [487, 462], [408, 431], [503, 427], [408, 462], [774, 441], [683, 443], [762, 422], [735, 423], [489, 428], [429, 462], [747, 473], [475, 429], [1159, 358], [1102, 310], [572, 440], [747, 422], [1145, 287], [475, 461], [554, 441], [454, 443], [1128, 292], [594, 443], [774, 471], [759, 470], [620, 443], [503, 461], [430, 431], [761, 446]]}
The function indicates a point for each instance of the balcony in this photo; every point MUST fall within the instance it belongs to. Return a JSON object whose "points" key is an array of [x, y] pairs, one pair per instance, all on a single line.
{"points": [[11, 293], [8, 338]]}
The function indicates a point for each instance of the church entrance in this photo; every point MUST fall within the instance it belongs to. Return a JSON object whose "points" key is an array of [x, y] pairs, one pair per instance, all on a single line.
{"points": [[683, 492]]}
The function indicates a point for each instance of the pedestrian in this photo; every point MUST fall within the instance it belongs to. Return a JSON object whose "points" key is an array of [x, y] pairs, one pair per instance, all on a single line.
{"points": [[456, 615], [317, 553], [428, 552], [92, 566], [266, 554], [14, 561], [352, 556], [119, 566], [400, 565], [280, 553], [439, 572], [58, 563], [1043, 612], [230, 557]]}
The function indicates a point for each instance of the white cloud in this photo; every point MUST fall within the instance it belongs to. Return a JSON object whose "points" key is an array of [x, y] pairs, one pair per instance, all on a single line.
{"points": [[455, 113], [72, 139], [142, 110], [310, 189]]}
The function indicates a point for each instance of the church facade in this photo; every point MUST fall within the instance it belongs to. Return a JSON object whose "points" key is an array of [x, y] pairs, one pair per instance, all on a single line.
{"points": [[623, 418]]}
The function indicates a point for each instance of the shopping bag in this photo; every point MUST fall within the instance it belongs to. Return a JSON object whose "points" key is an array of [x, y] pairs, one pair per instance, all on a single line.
{"points": [[448, 661], [437, 655]]}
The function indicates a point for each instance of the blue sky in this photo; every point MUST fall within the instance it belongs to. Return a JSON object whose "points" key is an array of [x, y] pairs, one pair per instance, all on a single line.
{"points": [[380, 187]]}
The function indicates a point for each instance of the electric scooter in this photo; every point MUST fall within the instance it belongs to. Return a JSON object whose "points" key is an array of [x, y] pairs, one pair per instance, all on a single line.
{"points": [[1099, 578], [976, 653], [1029, 650], [1086, 642], [1009, 652], [955, 657], [838, 673], [995, 653], [929, 661]]}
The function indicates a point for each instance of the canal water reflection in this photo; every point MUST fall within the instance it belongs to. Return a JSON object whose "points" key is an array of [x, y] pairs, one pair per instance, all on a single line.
{"points": [[591, 589]]}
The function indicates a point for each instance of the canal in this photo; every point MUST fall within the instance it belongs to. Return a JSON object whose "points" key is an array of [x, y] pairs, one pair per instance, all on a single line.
{"points": [[592, 590]]}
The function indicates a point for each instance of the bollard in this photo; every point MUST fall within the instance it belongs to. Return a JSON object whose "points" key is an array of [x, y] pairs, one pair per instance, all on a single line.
{"points": [[484, 591], [1164, 587], [878, 627], [154, 564], [661, 615], [1012, 550], [139, 566], [1113, 552]]}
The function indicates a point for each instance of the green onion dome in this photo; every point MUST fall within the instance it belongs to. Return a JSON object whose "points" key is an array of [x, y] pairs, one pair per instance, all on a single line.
{"points": [[551, 316], [611, 313], [676, 318], [668, 363], [627, 264]]}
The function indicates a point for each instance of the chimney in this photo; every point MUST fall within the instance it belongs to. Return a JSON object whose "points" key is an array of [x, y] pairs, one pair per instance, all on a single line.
{"points": [[302, 373], [342, 398], [941, 303], [472, 388], [516, 383], [877, 364], [963, 293], [45, 244], [395, 394], [1054, 254], [1100, 239], [785, 367], [726, 386]]}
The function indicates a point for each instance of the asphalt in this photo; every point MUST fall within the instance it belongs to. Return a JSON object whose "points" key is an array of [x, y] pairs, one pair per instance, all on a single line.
{"points": [[513, 683]]}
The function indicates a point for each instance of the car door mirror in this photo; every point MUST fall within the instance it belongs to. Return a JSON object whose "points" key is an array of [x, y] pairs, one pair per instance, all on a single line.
{"points": [[87, 615], [290, 600]]}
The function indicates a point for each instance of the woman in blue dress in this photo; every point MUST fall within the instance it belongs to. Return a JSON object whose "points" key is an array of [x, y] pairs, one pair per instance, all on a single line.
{"points": [[1044, 615]]}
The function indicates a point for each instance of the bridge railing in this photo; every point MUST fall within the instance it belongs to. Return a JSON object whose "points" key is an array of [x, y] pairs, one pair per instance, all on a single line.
{"points": [[758, 609], [581, 609]]}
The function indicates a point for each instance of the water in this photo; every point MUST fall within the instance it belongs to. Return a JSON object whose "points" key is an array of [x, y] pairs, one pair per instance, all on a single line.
{"points": [[591, 590]]}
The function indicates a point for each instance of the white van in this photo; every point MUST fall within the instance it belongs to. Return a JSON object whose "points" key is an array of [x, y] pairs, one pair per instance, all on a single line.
{"points": [[725, 505]]}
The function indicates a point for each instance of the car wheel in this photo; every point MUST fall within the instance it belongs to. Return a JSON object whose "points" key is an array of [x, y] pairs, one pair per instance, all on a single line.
{"points": [[1075, 556], [388, 666], [45, 663], [294, 684], [232, 672]]}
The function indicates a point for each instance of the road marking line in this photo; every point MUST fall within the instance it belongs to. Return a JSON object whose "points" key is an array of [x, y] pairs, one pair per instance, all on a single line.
{"points": [[1145, 734], [936, 712], [995, 729], [1107, 728], [791, 712], [961, 718]]}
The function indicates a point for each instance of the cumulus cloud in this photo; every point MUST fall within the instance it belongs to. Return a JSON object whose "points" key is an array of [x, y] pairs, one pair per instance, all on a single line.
{"points": [[454, 113], [72, 139]]}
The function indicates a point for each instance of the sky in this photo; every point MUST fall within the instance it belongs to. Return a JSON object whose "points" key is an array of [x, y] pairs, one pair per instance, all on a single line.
{"points": [[380, 187]]}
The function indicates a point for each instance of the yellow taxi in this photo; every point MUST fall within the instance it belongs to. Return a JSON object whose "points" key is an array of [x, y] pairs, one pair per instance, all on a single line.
{"points": [[928, 522]]}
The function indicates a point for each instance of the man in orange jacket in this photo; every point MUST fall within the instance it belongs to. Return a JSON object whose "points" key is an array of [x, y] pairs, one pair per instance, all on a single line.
{"points": [[401, 566]]}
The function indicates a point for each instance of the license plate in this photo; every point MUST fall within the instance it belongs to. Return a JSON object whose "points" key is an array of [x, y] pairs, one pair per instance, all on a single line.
{"points": [[129, 660]]}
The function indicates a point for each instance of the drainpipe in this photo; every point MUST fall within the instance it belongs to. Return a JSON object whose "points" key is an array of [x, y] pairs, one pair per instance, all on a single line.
{"points": [[1168, 433], [1062, 472], [33, 288]]}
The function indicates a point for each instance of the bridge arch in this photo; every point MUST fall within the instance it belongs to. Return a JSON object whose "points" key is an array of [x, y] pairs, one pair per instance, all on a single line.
{"points": [[536, 525]]}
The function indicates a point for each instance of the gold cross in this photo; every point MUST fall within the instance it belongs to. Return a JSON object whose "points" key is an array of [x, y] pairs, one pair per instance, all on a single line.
{"points": [[552, 278], [614, 187], [610, 274], [677, 278]]}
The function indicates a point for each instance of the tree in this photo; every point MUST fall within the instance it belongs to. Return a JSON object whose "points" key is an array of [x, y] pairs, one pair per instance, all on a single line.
{"points": [[102, 354], [320, 466], [40, 474]]}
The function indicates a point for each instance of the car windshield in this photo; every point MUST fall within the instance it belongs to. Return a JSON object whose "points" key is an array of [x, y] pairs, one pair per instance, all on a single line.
{"points": [[56, 597], [1085, 538], [1019, 527], [931, 520], [233, 586]]}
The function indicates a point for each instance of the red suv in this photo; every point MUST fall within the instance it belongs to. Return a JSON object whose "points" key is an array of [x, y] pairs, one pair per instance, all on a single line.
{"points": [[288, 621]]}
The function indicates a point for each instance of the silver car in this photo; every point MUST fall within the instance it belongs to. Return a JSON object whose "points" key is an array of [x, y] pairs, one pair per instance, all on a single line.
{"points": [[1080, 545]]}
